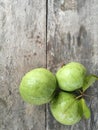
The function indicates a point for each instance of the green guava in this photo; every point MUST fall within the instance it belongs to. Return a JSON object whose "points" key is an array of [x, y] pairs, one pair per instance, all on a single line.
{"points": [[71, 76], [38, 86], [65, 108]]}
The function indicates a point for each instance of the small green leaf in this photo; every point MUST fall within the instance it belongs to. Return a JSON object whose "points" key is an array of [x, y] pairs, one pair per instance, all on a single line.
{"points": [[80, 108], [90, 79], [85, 109]]}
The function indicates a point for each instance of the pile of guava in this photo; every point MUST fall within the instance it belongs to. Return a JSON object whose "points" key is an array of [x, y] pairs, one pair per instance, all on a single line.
{"points": [[64, 91]]}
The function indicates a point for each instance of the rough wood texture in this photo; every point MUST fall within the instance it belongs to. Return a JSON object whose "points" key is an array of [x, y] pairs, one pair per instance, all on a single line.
{"points": [[22, 42], [73, 36]]}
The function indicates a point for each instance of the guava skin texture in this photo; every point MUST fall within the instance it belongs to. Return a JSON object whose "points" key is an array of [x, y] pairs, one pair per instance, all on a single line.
{"points": [[71, 76], [64, 108], [38, 86]]}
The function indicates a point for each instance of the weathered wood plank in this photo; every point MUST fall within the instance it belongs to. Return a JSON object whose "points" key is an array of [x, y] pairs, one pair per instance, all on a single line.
{"points": [[73, 36], [22, 47]]}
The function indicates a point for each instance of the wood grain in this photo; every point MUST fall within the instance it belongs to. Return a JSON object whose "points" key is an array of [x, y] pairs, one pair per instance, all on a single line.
{"points": [[73, 36], [22, 47]]}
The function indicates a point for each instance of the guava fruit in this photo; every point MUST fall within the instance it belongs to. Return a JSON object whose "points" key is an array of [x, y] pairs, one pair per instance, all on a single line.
{"points": [[65, 108], [71, 76], [38, 86]]}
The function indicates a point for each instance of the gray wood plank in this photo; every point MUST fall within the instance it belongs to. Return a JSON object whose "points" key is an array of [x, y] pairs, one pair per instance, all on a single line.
{"points": [[22, 47], [73, 36]]}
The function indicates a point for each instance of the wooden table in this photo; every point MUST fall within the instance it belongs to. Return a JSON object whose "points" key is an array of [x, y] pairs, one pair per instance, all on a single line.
{"points": [[44, 33]]}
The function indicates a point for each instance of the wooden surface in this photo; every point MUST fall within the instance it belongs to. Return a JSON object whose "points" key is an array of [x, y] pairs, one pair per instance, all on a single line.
{"points": [[44, 34], [22, 47]]}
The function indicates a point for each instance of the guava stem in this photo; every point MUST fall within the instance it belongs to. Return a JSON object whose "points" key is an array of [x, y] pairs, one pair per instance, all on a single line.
{"points": [[83, 95], [79, 96], [81, 92], [88, 96]]}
